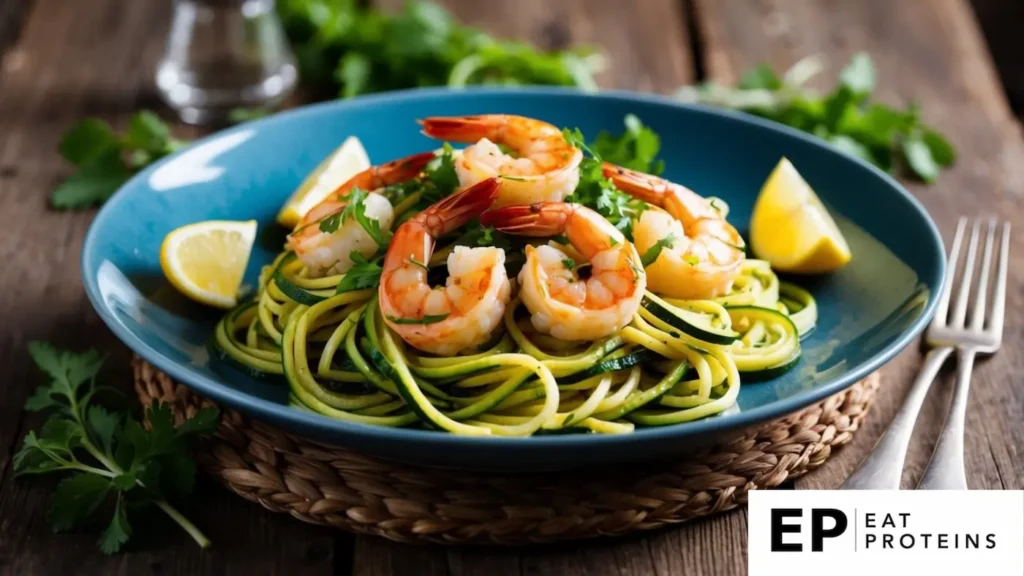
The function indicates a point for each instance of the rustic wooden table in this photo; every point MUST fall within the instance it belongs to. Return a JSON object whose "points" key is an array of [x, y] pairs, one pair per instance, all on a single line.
{"points": [[61, 60]]}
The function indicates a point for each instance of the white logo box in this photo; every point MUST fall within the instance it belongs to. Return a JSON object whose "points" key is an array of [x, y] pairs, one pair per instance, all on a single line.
{"points": [[919, 532]]}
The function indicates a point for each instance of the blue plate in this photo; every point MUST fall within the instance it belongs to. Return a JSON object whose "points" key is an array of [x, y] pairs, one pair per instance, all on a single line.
{"points": [[868, 311]]}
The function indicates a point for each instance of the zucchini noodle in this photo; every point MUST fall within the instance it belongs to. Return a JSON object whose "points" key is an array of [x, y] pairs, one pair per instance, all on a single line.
{"points": [[677, 361]]}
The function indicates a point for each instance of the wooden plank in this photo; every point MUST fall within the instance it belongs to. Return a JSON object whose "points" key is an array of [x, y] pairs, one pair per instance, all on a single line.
{"points": [[937, 57], [101, 65], [1000, 22]]}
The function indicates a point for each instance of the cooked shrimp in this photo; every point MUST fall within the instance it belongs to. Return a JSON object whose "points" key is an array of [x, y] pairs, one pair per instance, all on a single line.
{"points": [[706, 251], [330, 253], [560, 302], [462, 314], [544, 166]]}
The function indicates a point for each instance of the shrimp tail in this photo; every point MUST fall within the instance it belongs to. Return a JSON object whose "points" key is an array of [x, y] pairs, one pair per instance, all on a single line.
{"points": [[540, 219], [650, 189], [458, 128], [393, 172], [458, 209]]}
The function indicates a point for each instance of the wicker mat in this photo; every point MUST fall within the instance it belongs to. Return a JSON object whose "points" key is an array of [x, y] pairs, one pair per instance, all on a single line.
{"points": [[336, 487]]}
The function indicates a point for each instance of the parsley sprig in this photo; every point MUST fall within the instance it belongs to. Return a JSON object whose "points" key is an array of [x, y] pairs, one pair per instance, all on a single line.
{"points": [[891, 138], [106, 160], [636, 148], [111, 456]]}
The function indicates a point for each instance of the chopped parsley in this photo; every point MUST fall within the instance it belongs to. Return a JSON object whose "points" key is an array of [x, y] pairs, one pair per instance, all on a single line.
{"points": [[428, 319], [652, 253]]}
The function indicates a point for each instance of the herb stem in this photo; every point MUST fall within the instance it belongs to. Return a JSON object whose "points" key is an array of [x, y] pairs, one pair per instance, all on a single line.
{"points": [[116, 470], [185, 524]]}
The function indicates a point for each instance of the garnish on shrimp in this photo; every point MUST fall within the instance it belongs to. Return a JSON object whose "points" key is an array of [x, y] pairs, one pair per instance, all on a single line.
{"points": [[445, 320], [561, 303], [325, 246], [695, 252], [544, 167]]}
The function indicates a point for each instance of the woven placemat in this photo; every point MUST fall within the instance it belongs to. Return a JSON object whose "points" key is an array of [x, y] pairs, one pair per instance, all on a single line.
{"points": [[332, 486]]}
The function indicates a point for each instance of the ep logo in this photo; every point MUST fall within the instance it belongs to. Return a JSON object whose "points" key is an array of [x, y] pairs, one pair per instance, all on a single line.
{"points": [[788, 528]]}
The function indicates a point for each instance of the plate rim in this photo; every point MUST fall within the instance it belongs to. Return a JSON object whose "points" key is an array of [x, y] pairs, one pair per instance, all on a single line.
{"points": [[325, 427]]}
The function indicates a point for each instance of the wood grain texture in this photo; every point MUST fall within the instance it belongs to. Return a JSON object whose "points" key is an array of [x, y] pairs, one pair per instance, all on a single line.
{"points": [[102, 65], [1000, 21], [936, 56]]}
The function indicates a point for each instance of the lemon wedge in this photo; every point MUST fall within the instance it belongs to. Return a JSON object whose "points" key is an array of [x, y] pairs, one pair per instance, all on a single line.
{"points": [[206, 260], [791, 228], [348, 160]]}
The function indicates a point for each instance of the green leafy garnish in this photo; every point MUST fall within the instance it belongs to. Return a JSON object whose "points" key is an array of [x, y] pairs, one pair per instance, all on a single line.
{"points": [[349, 50], [355, 208], [636, 149], [106, 160], [428, 319], [363, 274], [652, 253], [110, 455], [569, 264], [846, 117]]}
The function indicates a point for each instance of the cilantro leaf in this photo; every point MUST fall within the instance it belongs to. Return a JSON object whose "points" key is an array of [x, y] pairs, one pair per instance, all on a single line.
{"points": [[426, 319], [919, 158], [355, 208], [760, 77], [117, 532], [651, 254], [86, 141], [105, 161], [569, 264], [362, 275], [107, 453], [105, 426], [75, 499]]}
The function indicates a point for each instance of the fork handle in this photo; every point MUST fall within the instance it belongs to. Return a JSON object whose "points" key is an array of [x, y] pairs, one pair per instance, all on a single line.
{"points": [[946, 469], [883, 467]]}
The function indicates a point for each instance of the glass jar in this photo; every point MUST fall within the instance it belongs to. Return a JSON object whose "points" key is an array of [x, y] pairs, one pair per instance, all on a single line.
{"points": [[222, 55]]}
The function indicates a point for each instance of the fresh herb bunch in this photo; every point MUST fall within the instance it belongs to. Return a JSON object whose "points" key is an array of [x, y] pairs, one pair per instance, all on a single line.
{"points": [[349, 50], [891, 138], [106, 160], [637, 149], [111, 457]]}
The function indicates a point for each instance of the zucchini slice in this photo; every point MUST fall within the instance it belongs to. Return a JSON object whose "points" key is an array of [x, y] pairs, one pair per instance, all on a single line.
{"points": [[774, 352], [696, 324]]}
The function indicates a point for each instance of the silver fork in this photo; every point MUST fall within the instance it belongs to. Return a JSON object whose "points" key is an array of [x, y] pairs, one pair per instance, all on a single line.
{"points": [[883, 467]]}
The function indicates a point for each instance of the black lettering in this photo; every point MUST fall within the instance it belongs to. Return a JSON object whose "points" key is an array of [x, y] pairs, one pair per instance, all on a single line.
{"points": [[886, 540], [943, 541], [868, 540], [972, 540], [991, 539], [925, 537], [904, 516], [779, 528], [818, 531], [869, 520], [903, 541], [888, 522]]}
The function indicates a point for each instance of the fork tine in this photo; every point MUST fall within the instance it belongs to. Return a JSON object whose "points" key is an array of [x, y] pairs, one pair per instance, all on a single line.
{"points": [[947, 289], [978, 310], [999, 299], [960, 310]]}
